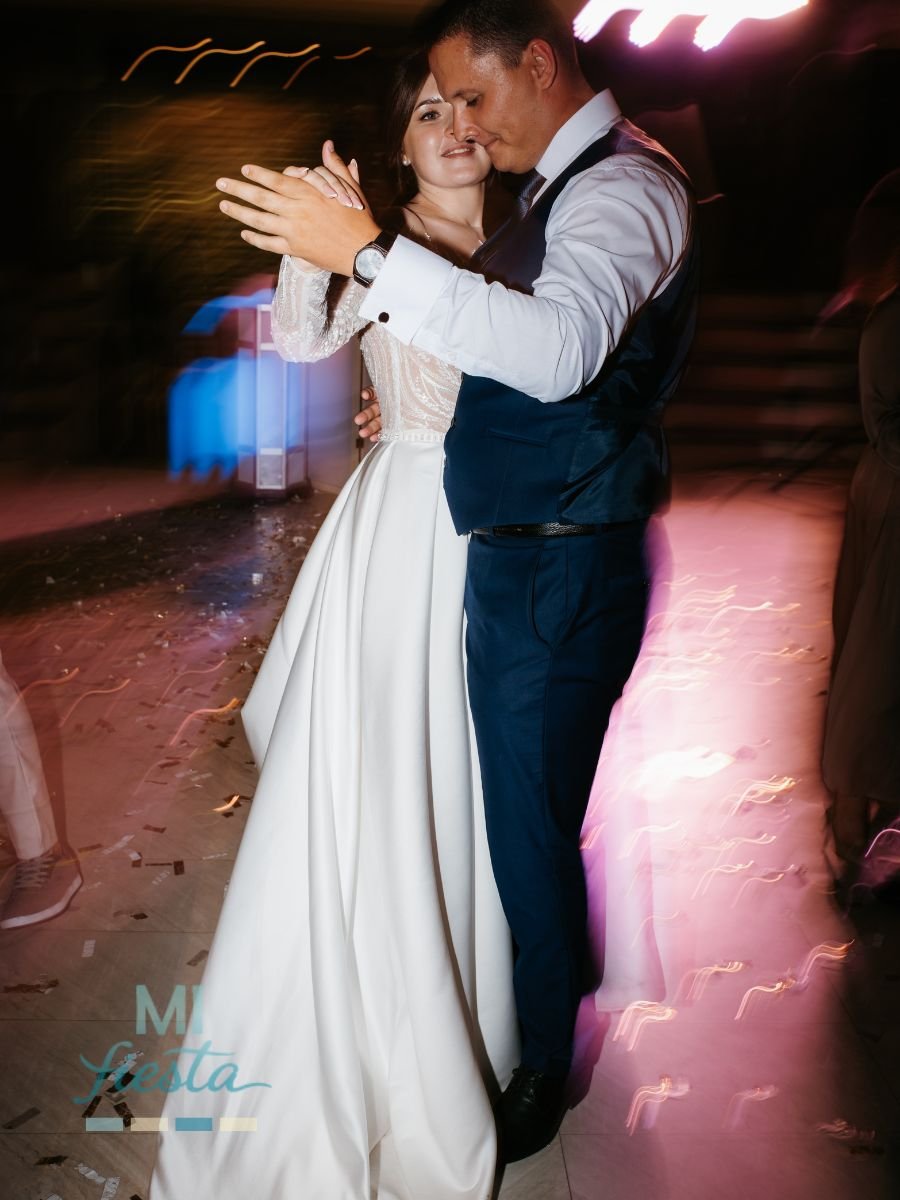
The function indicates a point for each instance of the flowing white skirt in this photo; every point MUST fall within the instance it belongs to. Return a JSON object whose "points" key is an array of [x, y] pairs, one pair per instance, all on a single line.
{"points": [[361, 966]]}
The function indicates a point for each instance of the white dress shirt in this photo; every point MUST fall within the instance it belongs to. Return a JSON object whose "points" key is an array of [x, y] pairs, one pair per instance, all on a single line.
{"points": [[616, 235]]}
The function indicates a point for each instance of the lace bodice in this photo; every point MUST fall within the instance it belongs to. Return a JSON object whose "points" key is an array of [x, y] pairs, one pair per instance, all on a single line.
{"points": [[417, 392]]}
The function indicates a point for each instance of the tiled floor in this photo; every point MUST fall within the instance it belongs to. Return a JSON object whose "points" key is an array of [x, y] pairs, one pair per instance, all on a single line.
{"points": [[125, 619]]}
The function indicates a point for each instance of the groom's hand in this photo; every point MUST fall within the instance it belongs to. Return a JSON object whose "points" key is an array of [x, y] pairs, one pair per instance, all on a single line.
{"points": [[296, 216], [369, 418]]}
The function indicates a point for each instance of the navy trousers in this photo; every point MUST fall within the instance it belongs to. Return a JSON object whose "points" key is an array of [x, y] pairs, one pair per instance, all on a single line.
{"points": [[554, 628]]}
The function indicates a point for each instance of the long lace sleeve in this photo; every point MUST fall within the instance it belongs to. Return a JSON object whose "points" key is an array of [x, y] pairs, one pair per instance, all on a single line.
{"points": [[304, 327]]}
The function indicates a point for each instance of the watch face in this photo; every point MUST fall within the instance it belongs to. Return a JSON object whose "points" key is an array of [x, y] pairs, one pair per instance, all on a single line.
{"points": [[369, 262]]}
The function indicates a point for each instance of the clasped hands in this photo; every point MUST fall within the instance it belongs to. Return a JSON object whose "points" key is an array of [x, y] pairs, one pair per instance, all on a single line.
{"points": [[318, 214]]}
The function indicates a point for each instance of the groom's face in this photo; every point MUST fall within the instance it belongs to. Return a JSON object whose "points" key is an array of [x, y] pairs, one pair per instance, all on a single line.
{"points": [[494, 105]]}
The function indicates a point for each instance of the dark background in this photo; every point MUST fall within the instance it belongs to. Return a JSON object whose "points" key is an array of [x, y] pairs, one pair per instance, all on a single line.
{"points": [[112, 238]]}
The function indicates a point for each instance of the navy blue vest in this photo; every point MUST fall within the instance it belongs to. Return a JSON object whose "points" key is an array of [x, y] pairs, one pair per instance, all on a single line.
{"points": [[598, 456]]}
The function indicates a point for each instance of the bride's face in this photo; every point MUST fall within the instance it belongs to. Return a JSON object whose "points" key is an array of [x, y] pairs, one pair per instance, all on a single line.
{"points": [[435, 154]]}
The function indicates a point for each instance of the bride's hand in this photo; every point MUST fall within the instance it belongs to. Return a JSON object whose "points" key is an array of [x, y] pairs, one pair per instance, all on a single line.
{"points": [[334, 179]]}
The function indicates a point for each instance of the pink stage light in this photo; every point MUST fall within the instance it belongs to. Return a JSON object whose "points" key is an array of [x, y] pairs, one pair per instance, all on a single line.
{"points": [[719, 17]]}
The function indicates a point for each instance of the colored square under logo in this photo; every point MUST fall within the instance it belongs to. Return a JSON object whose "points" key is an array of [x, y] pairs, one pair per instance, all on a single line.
{"points": [[149, 1124], [194, 1124], [237, 1124], [104, 1124]]}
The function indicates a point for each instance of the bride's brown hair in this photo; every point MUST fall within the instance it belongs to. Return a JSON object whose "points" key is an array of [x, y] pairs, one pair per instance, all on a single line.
{"points": [[409, 79]]}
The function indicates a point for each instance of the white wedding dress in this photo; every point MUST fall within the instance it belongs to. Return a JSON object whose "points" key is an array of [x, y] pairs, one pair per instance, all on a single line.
{"points": [[361, 966]]}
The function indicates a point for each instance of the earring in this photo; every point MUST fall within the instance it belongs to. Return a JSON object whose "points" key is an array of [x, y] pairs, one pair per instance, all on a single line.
{"points": [[405, 161]]}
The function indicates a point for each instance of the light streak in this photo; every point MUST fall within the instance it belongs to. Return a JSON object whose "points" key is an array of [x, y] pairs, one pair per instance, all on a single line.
{"points": [[843, 1131], [770, 989], [355, 54], [153, 50], [701, 976], [720, 17], [164, 205], [734, 1114], [185, 117], [204, 712], [309, 62], [590, 837], [228, 804], [666, 1089], [273, 54], [833, 951], [763, 791], [727, 869], [653, 917], [636, 1015], [204, 53], [194, 671], [703, 596], [93, 692], [652, 687], [763, 839], [766, 606], [891, 829], [639, 833], [770, 876], [794, 655], [66, 677]]}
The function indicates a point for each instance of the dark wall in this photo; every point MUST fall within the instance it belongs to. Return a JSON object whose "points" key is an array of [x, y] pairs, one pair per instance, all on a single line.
{"points": [[117, 239]]}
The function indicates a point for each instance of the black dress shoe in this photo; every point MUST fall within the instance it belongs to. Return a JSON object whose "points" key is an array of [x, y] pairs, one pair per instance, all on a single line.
{"points": [[529, 1113]]}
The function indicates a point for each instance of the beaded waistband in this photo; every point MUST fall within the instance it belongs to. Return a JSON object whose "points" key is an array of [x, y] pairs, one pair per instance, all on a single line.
{"points": [[411, 435]]}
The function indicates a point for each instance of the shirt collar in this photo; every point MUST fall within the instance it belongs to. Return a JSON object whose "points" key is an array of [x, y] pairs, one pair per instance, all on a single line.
{"points": [[585, 126]]}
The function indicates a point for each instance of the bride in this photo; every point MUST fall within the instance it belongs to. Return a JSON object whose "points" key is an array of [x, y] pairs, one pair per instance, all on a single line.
{"points": [[361, 968]]}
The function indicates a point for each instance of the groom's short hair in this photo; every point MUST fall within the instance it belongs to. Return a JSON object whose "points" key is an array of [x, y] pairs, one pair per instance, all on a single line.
{"points": [[502, 27]]}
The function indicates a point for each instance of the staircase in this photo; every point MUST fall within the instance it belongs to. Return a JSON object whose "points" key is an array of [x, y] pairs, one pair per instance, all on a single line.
{"points": [[767, 387], [53, 368]]}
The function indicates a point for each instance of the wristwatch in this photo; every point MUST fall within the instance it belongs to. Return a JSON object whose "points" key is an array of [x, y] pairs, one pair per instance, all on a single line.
{"points": [[370, 259]]}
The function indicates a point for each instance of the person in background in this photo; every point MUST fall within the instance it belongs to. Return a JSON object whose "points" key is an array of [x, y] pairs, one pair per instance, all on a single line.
{"points": [[47, 874], [861, 749]]}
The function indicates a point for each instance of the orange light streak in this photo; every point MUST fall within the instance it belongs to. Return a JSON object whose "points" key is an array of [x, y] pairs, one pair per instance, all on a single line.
{"points": [[769, 989], [273, 54], [196, 671], [230, 804], [701, 976], [636, 1016], [666, 1089], [833, 951], [204, 712], [93, 692], [153, 50], [66, 677], [734, 1114], [204, 53], [767, 877], [309, 62]]}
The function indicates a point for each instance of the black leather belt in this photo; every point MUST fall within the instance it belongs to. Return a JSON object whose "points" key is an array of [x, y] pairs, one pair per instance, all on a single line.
{"points": [[548, 529]]}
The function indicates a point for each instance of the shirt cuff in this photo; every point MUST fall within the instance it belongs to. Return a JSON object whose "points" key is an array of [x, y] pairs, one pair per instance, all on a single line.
{"points": [[406, 289]]}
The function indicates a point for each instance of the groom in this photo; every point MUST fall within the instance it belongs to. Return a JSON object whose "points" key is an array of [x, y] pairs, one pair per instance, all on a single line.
{"points": [[571, 338]]}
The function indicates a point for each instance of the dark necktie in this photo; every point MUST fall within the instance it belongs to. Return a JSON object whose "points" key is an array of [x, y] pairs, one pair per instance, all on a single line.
{"points": [[529, 185]]}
